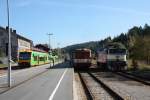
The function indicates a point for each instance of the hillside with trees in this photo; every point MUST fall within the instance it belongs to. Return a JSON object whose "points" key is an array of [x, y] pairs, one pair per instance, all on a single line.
{"points": [[136, 40]]}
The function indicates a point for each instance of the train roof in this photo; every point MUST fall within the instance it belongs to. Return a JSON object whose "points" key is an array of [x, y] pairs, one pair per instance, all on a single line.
{"points": [[109, 48], [105, 49], [84, 49], [33, 49], [117, 48]]}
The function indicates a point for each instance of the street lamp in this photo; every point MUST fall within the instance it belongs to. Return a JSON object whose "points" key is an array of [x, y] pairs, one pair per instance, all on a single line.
{"points": [[9, 47]]}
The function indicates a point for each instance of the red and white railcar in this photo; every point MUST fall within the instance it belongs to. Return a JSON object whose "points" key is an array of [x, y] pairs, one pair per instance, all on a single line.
{"points": [[81, 58], [102, 58]]}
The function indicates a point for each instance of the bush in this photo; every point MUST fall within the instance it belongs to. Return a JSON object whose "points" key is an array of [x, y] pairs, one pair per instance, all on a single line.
{"points": [[134, 64], [1, 62], [1, 53]]}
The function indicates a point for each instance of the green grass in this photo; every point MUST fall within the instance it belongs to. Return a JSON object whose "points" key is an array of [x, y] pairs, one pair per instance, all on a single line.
{"points": [[3, 65], [142, 70], [141, 66]]}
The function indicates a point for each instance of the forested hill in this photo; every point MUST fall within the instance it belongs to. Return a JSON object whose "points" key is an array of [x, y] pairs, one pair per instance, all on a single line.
{"points": [[136, 40], [93, 45]]}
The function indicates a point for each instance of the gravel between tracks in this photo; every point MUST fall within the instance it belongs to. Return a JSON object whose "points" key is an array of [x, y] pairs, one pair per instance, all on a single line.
{"points": [[127, 88], [79, 88], [98, 93]]}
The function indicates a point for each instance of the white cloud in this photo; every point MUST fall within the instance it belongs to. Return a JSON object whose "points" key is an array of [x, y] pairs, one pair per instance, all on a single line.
{"points": [[121, 10], [25, 3], [85, 6]]}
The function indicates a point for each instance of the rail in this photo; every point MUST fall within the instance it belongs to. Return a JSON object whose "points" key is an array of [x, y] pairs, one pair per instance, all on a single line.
{"points": [[109, 90], [86, 90], [112, 93], [132, 77]]}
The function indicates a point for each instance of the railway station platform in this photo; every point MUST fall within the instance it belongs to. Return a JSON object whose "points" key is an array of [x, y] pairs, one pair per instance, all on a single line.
{"points": [[39, 83]]}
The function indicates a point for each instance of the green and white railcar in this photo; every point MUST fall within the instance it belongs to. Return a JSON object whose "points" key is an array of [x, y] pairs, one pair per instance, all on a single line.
{"points": [[34, 58]]}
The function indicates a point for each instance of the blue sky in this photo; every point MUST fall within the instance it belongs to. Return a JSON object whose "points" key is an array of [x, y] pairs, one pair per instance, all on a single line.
{"points": [[74, 21]]}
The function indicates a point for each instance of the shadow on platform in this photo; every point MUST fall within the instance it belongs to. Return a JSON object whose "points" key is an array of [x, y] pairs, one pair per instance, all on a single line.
{"points": [[60, 65]]}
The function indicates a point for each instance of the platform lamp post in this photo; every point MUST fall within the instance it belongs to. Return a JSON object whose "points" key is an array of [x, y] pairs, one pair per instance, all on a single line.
{"points": [[49, 34], [9, 47]]}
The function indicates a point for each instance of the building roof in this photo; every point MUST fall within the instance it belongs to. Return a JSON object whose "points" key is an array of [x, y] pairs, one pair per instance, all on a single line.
{"points": [[43, 47], [24, 38], [18, 36], [5, 30], [2, 28]]}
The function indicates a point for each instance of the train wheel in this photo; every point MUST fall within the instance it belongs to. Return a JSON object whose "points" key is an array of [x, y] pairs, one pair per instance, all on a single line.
{"points": [[125, 68], [113, 68], [98, 64], [75, 69], [109, 67]]}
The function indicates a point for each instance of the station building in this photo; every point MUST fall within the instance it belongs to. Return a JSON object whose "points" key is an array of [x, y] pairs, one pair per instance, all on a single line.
{"points": [[18, 42]]}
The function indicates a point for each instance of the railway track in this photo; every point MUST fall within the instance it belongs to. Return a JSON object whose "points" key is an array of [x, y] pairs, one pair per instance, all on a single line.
{"points": [[136, 75], [133, 77], [95, 89], [86, 90]]}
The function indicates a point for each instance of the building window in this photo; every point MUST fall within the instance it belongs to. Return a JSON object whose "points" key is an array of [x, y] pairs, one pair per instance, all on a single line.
{"points": [[1, 33], [6, 49]]}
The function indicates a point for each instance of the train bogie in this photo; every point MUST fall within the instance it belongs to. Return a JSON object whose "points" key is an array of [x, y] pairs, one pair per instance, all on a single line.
{"points": [[117, 65], [82, 65]]}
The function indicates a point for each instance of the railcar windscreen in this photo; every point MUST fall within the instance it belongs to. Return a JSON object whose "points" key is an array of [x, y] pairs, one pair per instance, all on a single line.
{"points": [[24, 55]]}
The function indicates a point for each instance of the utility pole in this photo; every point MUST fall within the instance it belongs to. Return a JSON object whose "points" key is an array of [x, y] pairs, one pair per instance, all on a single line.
{"points": [[9, 47], [50, 39], [58, 51], [58, 48], [49, 34]]}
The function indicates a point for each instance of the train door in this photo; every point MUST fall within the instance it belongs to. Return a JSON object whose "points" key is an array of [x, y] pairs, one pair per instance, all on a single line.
{"points": [[38, 59]]}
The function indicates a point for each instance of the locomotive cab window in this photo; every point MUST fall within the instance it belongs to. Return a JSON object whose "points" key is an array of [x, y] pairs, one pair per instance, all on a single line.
{"points": [[117, 51]]}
